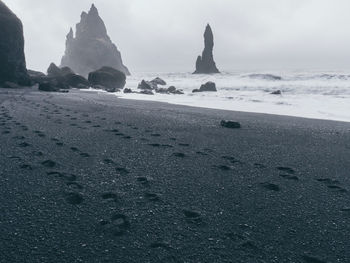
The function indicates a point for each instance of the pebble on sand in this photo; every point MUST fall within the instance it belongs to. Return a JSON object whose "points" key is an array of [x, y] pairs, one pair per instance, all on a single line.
{"points": [[230, 124]]}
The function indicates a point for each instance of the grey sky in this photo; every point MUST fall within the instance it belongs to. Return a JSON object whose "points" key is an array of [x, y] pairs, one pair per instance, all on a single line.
{"points": [[167, 35]]}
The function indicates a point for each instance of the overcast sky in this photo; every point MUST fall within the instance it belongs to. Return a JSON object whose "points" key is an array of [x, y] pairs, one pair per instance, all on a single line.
{"points": [[167, 35]]}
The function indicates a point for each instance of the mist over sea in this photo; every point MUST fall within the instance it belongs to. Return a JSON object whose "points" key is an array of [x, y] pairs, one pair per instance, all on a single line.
{"points": [[310, 94]]}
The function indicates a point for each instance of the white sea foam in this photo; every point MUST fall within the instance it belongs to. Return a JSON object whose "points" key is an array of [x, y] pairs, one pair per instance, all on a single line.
{"points": [[320, 95]]}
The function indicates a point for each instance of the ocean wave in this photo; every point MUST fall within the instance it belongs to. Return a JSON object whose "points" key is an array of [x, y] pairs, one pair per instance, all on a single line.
{"points": [[264, 77]]}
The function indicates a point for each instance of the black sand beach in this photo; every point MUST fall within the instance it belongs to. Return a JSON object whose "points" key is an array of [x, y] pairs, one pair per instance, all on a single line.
{"points": [[88, 177]]}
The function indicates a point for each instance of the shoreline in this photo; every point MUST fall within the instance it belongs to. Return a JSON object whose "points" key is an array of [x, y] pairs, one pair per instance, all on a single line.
{"points": [[142, 99], [90, 177]]}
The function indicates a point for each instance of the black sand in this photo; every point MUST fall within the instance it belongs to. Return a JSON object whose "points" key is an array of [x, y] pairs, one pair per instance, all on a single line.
{"points": [[93, 178]]}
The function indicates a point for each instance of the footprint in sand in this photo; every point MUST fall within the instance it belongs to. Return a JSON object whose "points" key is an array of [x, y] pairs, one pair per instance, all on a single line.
{"points": [[85, 155], [179, 155], [117, 226], [49, 163], [26, 167], [121, 170], [222, 167], [192, 216], [184, 144], [290, 177], [163, 245], [74, 198], [271, 187], [201, 153], [155, 135], [232, 159], [143, 180], [167, 146], [312, 259], [108, 161], [38, 153], [24, 144], [152, 197], [74, 149], [332, 184], [74, 185], [110, 196], [286, 170], [70, 177], [154, 144]]}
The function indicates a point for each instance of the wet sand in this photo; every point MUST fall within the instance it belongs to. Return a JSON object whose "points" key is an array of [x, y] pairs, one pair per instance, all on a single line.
{"points": [[88, 177]]}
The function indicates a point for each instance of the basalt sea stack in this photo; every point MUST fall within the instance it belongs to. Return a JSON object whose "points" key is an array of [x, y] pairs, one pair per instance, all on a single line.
{"points": [[12, 59], [91, 48], [205, 64]]}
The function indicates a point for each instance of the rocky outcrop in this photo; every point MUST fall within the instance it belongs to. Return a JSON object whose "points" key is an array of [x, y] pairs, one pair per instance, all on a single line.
{"points": [[91, 48], [152, 85], [127, 90], [205, 64], [36, 76], [109, 78], [12, 59], [58, 79], [147, 85], [209, 86], [158, 81], [170, 90]]}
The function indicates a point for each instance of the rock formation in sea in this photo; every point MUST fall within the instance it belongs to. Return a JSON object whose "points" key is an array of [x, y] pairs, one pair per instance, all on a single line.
{"points": [[12, 59], [209, 86], [91, 48], [205, 64]]}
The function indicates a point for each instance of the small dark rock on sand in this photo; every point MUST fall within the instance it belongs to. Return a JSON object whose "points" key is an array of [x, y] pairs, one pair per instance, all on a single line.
{"points": [[230, 124], [277, 92]]}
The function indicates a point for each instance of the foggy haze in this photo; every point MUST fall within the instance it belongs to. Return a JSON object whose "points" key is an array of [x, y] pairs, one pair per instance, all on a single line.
{"points": [[164, 35]]}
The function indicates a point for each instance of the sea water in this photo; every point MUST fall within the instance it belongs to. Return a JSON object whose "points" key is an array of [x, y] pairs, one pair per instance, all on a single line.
{"points": [[312, 94]]}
